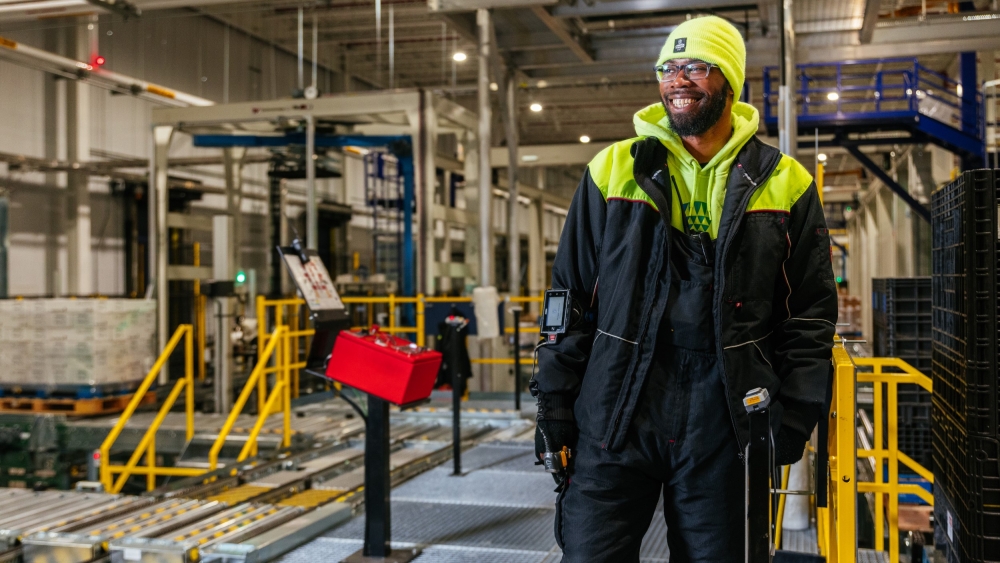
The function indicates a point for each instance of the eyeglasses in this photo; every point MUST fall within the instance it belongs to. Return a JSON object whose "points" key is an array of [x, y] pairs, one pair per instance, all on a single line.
{"points": [[692, 71]]}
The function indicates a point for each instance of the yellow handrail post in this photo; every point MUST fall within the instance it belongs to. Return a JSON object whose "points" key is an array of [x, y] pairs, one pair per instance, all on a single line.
{"points": [[286, 392], [151, 464], [392, 312], [892, 418], [879, 467], [421, 329], [189, 375], [199, 316], [841, 514], [294, 350]]}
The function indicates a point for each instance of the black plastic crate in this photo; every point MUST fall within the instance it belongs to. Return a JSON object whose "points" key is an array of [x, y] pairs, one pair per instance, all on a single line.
{"points": [[965, 437]]}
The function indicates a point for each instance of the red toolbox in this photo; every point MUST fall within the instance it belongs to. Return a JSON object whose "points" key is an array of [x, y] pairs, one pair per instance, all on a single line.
{"points": [[383, 365]]}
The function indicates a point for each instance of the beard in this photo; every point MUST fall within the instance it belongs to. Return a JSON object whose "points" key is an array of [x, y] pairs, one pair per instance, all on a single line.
{"points": [[695, 123]]}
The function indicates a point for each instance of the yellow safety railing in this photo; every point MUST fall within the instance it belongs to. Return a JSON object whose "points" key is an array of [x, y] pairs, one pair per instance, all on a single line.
{"points": [[836, 523], [282, 309], [886, 374], [278, 398], [285, 313], [147, 446]]}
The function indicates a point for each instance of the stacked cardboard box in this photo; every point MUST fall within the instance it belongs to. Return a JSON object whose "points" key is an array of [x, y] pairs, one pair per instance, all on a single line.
{"points": [[55, 343]]}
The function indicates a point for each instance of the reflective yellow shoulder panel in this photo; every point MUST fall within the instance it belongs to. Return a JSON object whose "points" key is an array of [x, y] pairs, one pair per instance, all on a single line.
{"points": [[611, 170], [783, 188]]}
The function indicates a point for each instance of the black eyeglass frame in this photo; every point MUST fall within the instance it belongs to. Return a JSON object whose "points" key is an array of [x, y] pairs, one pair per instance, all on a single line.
{"points": [[686, 69]]}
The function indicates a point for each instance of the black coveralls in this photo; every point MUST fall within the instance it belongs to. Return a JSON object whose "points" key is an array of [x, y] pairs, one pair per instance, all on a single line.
{"points": [[681, 441]]}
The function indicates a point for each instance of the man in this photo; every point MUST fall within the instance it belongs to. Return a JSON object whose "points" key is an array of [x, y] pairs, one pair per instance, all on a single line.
{"points": [[698, 261]]}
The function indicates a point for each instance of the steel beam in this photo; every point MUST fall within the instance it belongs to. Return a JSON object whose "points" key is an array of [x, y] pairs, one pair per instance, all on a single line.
{"points": [[900, 191], [558, 27], [870, 19], [471, 5], [624, 7]]}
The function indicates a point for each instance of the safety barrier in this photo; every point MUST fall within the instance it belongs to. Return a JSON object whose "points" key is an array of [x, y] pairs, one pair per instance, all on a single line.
{"points": [[886, 374], [278, 398], [836, 522], [284, 313], [147, 446]]}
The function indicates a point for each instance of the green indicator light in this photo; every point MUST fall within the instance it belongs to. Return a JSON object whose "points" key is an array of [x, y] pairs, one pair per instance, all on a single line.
{"points": [[241, 277], [840, 279], [848, 208]]}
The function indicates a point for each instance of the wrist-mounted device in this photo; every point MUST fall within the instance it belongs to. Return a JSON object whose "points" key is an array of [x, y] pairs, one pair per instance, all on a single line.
{"points": [[561, 313]]}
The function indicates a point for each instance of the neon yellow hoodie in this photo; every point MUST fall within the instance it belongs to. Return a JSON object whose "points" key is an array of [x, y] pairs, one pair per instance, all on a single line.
{"points": [[702, 188]]}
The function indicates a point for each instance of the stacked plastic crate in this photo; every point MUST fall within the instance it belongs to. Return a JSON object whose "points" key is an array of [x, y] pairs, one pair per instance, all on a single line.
{"points": [[901, 318], [966, 440]]}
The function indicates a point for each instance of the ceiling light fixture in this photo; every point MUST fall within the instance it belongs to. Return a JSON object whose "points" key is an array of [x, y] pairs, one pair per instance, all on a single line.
{"points": [[584, 139], [535, 107], [833, 96], [459, 57], [494, 86], [821, 157]]}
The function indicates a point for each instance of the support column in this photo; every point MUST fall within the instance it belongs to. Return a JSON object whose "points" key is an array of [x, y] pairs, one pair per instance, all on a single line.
{"points": [[787, 106], [233, 162], [485, 172], [536, 252], [312, 218], [513, 229], [80, 260], [157, 201]]}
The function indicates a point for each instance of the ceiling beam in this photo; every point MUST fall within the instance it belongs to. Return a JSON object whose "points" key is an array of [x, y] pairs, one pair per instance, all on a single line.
{"points": [[623, 7], [558, 27], [871, 18], [462, 24], [912, 39]]}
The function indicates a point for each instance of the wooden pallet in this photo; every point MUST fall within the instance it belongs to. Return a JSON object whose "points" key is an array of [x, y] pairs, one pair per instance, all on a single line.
{"points": [[72, 407]]}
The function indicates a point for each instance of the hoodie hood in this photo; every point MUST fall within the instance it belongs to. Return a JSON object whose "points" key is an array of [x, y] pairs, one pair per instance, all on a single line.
{"points": [[702, 189]]}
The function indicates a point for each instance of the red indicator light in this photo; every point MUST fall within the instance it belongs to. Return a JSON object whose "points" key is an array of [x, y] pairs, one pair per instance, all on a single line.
{"points": [[99, 60], [97, 456]]}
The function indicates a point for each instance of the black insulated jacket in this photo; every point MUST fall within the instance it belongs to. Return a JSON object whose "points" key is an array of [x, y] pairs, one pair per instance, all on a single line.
{"points": [[774, 295]]}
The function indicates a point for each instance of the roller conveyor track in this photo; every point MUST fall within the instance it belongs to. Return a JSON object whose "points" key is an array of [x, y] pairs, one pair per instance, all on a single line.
{"points": [[246, 514]]}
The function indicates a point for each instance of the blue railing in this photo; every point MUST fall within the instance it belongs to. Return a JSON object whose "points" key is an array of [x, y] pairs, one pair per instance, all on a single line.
{"points": [[897, 88]]}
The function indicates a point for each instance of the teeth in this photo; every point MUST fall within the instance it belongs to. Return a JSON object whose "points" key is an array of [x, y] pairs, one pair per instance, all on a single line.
{"points": [[681, 102]]}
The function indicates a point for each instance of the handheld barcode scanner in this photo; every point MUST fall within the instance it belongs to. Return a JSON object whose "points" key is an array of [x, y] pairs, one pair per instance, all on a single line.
{"points": [[759, 547]]}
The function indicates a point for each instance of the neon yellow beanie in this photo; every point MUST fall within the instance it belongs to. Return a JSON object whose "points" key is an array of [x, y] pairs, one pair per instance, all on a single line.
{"points": [[713, 40]]}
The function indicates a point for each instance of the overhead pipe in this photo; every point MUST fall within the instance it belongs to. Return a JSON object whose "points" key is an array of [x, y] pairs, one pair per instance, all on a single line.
{"points": [[70, 68]]}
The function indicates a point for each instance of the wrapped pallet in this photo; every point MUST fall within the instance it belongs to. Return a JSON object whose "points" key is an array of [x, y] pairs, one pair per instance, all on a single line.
{"points": [[76, 345]]}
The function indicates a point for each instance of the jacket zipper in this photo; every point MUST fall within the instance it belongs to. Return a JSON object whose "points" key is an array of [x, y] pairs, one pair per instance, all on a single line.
{"points": [[722, 288]]}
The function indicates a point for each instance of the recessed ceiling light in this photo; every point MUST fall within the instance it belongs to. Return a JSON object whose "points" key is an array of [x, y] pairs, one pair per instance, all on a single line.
{"points": [[584, 139], [833, 96], [535, 107], [821, 157], [494, 87], [459, 56]]}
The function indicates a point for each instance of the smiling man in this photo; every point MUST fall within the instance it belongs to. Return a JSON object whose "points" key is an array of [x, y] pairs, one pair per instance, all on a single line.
{"points": [[698, 262]]}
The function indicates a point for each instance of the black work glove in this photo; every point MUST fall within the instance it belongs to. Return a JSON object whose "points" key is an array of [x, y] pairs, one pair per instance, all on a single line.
{"points": [[789, 445], [552, 435]]}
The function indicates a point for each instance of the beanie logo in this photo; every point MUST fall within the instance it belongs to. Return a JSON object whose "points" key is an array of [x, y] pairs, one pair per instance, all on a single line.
{"points": [[680, 44]]}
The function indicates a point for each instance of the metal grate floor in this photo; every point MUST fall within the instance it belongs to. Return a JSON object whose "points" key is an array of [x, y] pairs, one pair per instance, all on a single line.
{"points": [[500, 511]]}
